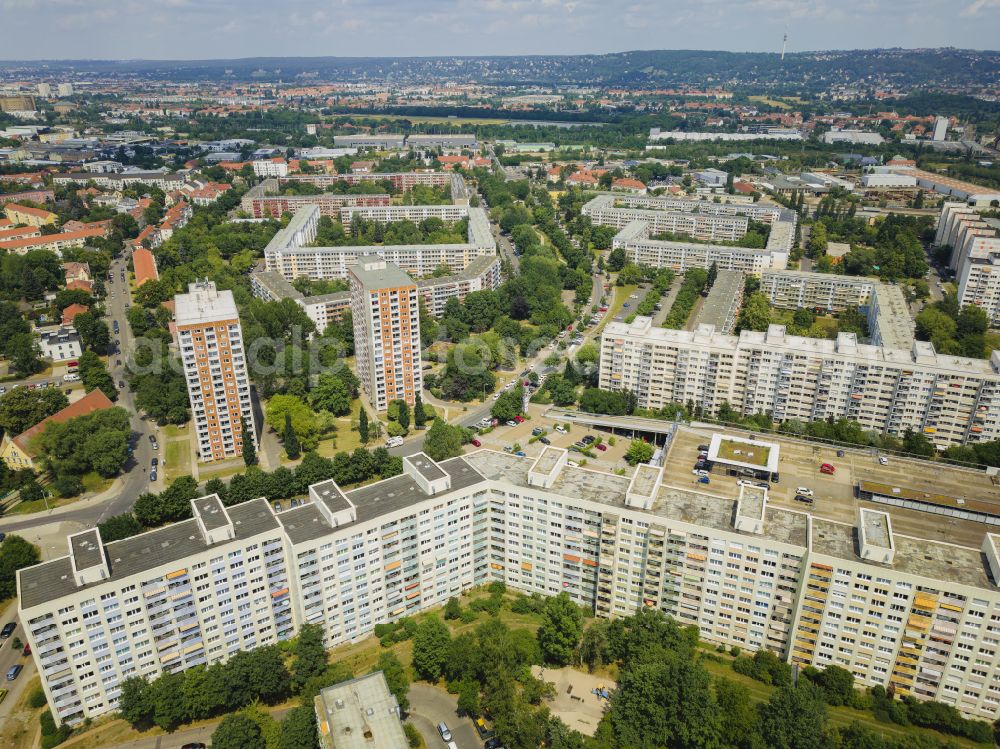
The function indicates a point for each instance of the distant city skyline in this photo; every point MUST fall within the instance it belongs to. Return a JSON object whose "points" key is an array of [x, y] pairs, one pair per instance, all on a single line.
{"points": [[186, 29]]}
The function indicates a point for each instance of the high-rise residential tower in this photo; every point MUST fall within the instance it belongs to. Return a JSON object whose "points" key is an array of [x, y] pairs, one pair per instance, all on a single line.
{"points": [[385, 307], [211, 346]]}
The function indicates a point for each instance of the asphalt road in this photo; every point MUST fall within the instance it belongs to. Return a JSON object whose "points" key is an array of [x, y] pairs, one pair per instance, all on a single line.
{"points": [[430, 706]]}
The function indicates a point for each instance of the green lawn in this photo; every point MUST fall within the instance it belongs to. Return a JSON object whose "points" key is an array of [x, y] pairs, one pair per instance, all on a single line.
{"points": [[177, 456], [728, 448]]}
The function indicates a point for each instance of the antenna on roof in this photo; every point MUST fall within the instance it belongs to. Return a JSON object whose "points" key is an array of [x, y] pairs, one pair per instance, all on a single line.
{"points": [[784, 43]]}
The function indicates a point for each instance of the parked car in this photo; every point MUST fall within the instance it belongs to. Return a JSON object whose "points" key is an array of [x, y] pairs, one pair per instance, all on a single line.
{"points": [[700, 473], [519, 419], [27, 651], [588, 439], [883, 460], [154, 462], [561, 429], [545, 440], [803, 498], [602, 447], [805, 491], [537, 431], [703, 449], [511, 423], [14, 671], [152, 475], [8, 630], [520, 453], [704, 480], [827, 468], [196, 745], [476, 443], [443, 730]]}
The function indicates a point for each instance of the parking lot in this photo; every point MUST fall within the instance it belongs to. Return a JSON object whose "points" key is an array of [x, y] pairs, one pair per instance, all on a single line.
{"points": [[504, 436], [835, 496]]}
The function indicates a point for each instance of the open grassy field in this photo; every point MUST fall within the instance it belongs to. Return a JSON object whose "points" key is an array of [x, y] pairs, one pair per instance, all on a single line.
{"points": [[177, 456]]}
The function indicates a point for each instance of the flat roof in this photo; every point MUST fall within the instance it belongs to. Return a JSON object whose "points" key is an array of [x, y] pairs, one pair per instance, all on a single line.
{"points": [[875, 526], [932, 499], [375, 272], [360, 714], [331, 495], [204, 303], [547, 460], [752, 500], [211, 511], [86, 548], [644, 481], [171, 544], [426, 467]]}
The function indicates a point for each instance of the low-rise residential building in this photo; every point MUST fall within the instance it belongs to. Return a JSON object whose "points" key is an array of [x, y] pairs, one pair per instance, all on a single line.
{"points": [[70, 312], [52, 242], [359, 714], [59, 344], [144, 265], [19, 451], [33, 196], [28, 215]]}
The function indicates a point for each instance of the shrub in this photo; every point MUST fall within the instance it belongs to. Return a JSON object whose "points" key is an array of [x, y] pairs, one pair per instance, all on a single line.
{"points": [[37, 698]]}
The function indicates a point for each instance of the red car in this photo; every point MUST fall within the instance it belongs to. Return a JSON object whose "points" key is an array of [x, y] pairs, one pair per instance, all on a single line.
{"points": [[827, 468], [601, 447], [519, 419], [26, 651], [476, 443]]}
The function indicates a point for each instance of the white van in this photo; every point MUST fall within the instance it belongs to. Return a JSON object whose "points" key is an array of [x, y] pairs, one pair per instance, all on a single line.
{"points": [[71, 377]]}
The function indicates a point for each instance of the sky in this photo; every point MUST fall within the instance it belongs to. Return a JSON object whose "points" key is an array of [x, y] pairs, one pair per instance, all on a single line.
{"points": [[202, 29]]}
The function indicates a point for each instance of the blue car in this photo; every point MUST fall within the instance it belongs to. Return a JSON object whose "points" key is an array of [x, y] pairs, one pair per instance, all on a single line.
{"points": [[703, 480], [520, 453]]}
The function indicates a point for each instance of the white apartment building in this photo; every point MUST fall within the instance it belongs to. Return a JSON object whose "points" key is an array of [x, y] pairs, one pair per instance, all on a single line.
{"points": [[121, 180], [730, 205], [952, 400], [481, 274], [194, 592], [605, 210], [59, 344], [385, 214], [640, 217], [975, 255], [386, 313], [888, 313], [211, 346], [288, 252], [680, 256], [916, 613], [276, 167]]}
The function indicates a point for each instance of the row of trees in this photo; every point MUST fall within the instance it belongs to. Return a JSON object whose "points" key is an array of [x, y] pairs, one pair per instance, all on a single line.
{"points": [[173, 503]]}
